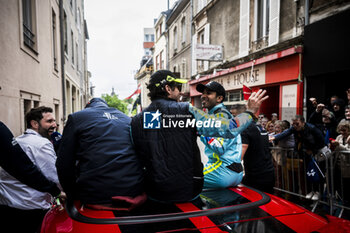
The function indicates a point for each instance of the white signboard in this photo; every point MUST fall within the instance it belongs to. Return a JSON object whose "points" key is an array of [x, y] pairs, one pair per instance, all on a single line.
{"points": [[289, 101], [237, 79], [208, 52]]}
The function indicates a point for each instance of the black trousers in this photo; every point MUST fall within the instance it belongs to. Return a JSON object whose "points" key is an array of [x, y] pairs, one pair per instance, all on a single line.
{"points": [[17, 220]]}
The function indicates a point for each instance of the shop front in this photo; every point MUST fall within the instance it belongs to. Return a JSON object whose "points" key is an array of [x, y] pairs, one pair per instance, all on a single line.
{"points": [[278, 74]]}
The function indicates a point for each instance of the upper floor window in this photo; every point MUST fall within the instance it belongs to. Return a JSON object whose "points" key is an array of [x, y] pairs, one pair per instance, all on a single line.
{"points": [[183, 29], [159, 31], [175, 39], [78, 19], [261, 16], [201, 37], [149, 38], [161, 60], [65, 32], [29, 23], [54, 40], [72, 41], [78, 52]]}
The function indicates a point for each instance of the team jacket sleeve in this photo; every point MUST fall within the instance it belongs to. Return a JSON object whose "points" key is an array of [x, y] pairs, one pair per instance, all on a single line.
{"points": [[220, 126], [24, 171], [65, 163], [284, 134]]}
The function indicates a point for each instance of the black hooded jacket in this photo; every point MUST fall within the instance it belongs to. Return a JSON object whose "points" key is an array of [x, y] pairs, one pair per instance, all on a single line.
{"points": [[96, 159], [174, 172]]}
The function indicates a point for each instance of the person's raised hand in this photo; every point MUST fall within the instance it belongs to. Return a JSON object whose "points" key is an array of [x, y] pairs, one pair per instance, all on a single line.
{"points": [[319, 107], [255, 101], [313, 101]]}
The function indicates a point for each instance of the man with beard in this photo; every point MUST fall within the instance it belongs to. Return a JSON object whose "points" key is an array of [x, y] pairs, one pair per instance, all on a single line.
{"points": [[18, 200], [223, 168]]}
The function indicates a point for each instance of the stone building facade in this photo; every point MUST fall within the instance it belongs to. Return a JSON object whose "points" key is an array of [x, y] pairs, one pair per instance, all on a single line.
{"points": [[30, 61]]}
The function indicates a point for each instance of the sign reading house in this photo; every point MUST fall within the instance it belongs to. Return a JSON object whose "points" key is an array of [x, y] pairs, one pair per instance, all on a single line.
{"points": [[208, 52], [237, 79]]}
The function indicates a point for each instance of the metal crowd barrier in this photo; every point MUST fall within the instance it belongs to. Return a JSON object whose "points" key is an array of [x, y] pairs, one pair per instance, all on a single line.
{"points": [[333, 189]]}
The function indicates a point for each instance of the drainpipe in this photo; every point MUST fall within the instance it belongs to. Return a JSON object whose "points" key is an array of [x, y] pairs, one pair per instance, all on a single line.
{"points": [[307, 17], [191, 38], [307, 12], [62, 60]]}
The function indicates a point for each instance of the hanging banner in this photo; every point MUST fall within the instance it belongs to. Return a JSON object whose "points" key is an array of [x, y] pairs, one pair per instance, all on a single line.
{"points": [[208, 52]]}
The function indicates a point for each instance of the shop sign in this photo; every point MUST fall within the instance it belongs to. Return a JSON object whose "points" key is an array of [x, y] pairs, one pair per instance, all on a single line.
{"points": [[289, 101], [245, 77], [208, 52]]}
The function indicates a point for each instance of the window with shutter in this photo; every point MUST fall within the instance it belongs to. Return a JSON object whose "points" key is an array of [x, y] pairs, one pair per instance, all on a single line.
{"points": [[274, 24], [206, 41], [175, 40], [261, 19], [183, 29], [244, 28], [194, 61], [29, 24]]}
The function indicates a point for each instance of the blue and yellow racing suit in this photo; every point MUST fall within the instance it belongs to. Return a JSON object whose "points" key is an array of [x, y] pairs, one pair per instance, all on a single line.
{"points": [[223, 168]]}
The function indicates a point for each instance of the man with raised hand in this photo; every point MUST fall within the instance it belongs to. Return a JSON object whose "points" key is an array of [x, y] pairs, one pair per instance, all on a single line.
{"points": [[169, 152], [224, 167]]}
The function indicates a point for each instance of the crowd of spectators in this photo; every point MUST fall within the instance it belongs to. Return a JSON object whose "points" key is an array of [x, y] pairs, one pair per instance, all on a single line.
{"points": [[326, 130]]}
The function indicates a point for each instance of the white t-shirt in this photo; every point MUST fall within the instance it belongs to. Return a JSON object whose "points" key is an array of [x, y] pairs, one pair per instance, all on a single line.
{"points": [[15, 194]]}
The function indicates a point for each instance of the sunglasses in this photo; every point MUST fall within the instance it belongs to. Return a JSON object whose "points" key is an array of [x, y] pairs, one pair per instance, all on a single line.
{"points": [[179, 87]]}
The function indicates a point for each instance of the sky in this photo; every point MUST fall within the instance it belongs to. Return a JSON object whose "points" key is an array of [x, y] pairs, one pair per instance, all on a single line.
{"points": [[115, 45]]}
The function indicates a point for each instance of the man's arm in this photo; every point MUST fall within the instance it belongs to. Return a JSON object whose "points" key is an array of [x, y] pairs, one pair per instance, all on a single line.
{"points": [[282, 135], [66, 158], [229, 128], [16, 162], [244, 149]]}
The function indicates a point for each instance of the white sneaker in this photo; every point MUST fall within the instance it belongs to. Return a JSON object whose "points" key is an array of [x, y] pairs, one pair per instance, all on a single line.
{"points": [[309, 195], [316, 196]]}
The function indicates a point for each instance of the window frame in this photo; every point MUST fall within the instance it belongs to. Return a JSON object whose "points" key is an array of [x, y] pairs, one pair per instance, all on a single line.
{"points": [[65, 31], [161, 60], [261, 19], [54, 40], [29, 36], [175, 38], [183, 30], [72, 47]]}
